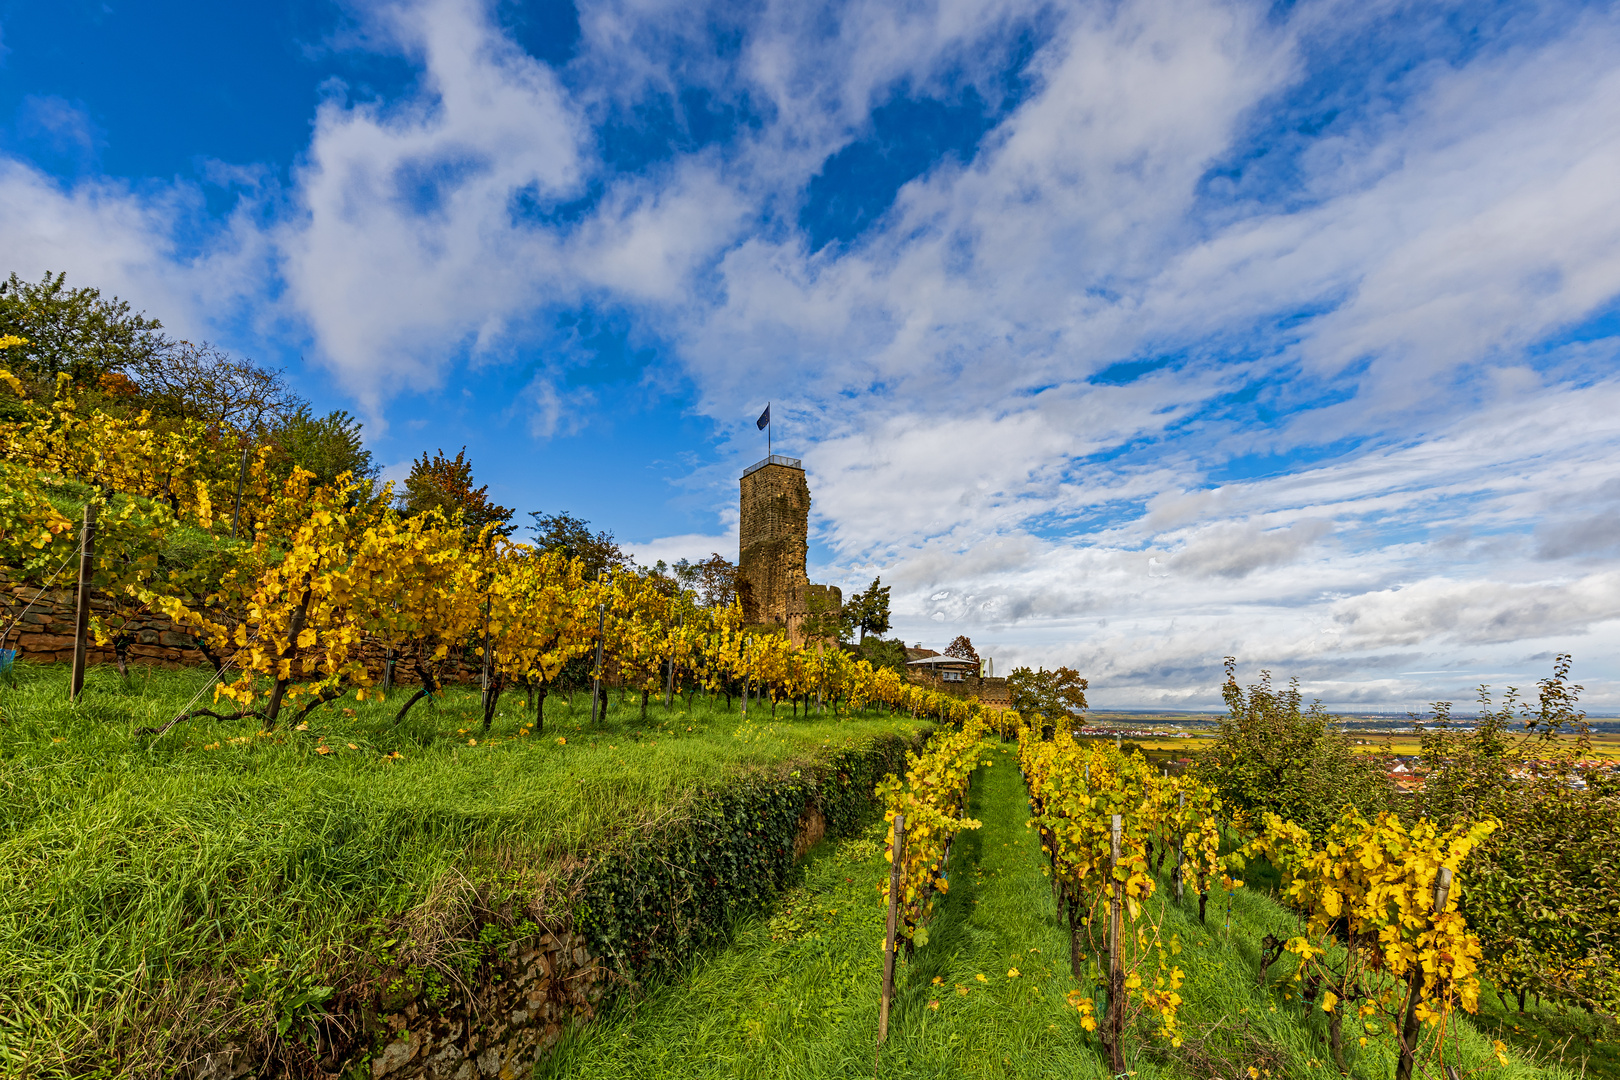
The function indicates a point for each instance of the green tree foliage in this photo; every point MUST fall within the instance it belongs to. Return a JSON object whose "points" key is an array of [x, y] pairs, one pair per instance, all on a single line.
{"points": [[1276, 755], [714, 579], [1057, 697], [883, 653], [826, 616], [446, 484], [72, 330], [868, 611], [573, 537], [325, 445], [1542, 887]]}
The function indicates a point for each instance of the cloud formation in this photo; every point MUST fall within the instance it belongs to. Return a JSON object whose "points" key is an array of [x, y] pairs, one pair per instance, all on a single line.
{"points": [[1203, 326]]}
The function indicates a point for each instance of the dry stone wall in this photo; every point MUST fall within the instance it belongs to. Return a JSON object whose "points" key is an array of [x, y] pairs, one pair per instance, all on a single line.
{"points": [[44, 633], [45, 619]]}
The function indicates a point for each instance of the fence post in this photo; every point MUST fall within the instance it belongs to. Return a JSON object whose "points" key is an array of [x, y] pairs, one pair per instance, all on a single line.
{"points": [[236, 510], [1181, 804], [484, 676], [898, 845], [1115, 1021], [1412, 1028], [601, 628], [81, 623]]}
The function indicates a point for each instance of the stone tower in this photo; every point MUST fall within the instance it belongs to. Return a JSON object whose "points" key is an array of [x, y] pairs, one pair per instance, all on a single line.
{"points": [[773, 540]]}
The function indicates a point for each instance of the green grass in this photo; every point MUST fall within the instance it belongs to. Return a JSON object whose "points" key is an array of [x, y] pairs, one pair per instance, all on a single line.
{"points": [[796, 993], [1581, 1043], [139, 882]]}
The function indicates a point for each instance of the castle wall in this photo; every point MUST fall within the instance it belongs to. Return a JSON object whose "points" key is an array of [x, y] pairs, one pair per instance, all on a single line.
{"points": [[773, 541]]}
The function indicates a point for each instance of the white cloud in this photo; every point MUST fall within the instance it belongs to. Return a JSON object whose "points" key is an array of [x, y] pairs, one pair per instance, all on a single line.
{"points": [[1389, 297]]}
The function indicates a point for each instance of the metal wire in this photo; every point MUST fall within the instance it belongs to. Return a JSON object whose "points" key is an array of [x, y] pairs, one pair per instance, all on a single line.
{"points": [[78, 551]]}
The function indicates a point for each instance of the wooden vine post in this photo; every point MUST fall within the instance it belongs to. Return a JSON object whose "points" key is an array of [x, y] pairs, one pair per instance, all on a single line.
{"points": [[81, 622], [601, 628], [1412, 1029], [897, 847], [485, 679], [1114, 1024], [1181, 804], [236, 508]]}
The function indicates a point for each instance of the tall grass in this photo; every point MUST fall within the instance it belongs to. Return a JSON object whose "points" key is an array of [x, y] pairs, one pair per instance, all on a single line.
{"points": [[143, 886]]}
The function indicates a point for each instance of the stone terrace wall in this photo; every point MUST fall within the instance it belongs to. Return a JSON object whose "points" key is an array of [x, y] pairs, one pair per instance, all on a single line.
{"points": [[991, 691], [44, 635]]}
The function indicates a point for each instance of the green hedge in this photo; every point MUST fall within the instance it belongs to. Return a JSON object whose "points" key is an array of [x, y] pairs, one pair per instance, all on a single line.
{"points": [[649, 908]]}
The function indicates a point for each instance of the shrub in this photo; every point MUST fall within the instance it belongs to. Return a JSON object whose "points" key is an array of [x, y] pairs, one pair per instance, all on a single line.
{"points": [[1276, 756]]}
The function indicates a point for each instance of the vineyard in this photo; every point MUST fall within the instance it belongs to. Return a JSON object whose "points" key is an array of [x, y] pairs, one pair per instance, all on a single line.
{"points": [[299, 579], [327, 852]]}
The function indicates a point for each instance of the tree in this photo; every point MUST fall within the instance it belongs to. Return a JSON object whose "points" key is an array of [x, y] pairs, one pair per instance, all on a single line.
{"points": [[200, 382], [869, 611], [884, 653], [1274, 755], [825, 617], [714, 579], [73, 331], [962, 648], [1542, 894], [572, 537], [446, 485], [328, 446], [1057, 697]]}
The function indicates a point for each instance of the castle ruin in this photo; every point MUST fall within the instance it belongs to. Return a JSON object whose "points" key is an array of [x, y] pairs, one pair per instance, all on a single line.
{"points": [[773, 542]]}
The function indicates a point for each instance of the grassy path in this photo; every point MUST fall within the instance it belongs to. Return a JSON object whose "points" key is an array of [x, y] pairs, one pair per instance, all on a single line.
{"points": [[796, 995]]}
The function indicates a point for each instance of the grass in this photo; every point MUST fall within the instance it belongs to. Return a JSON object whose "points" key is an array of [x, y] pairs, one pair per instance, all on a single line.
{"points": [[796, 993], [1553, 1034], [140, 882]]}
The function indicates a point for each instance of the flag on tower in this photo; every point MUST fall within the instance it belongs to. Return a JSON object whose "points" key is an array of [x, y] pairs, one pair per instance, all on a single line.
{"points": [[764, 419]]}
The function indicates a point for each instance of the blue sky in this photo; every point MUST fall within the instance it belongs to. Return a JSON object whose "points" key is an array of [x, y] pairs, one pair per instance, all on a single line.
{"points": [[1126, 335]]}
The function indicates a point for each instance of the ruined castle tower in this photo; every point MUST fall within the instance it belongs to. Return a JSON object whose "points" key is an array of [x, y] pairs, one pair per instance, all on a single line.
{"points": [[774, 538]]}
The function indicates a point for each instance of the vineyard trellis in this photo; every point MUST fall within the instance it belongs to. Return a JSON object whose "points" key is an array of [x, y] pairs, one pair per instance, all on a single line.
{"points": [[321, 573]]}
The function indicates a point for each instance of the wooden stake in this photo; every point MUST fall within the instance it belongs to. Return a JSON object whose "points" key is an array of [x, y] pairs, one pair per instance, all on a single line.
{"points": [[1412, 1029], [898, 847], [236, 510], [1116, 971], [1181, 803], [596, 681], [1442, 889], [81, 625]]}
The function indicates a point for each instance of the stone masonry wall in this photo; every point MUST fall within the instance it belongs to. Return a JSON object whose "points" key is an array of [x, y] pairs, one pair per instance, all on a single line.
{"points": [[992, 691], [44, 635], [773, 541]]}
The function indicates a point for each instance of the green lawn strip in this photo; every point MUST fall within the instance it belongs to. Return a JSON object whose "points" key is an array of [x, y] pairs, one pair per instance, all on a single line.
{"points": [[796, 994], [1584, 1044], [217, 851]]}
